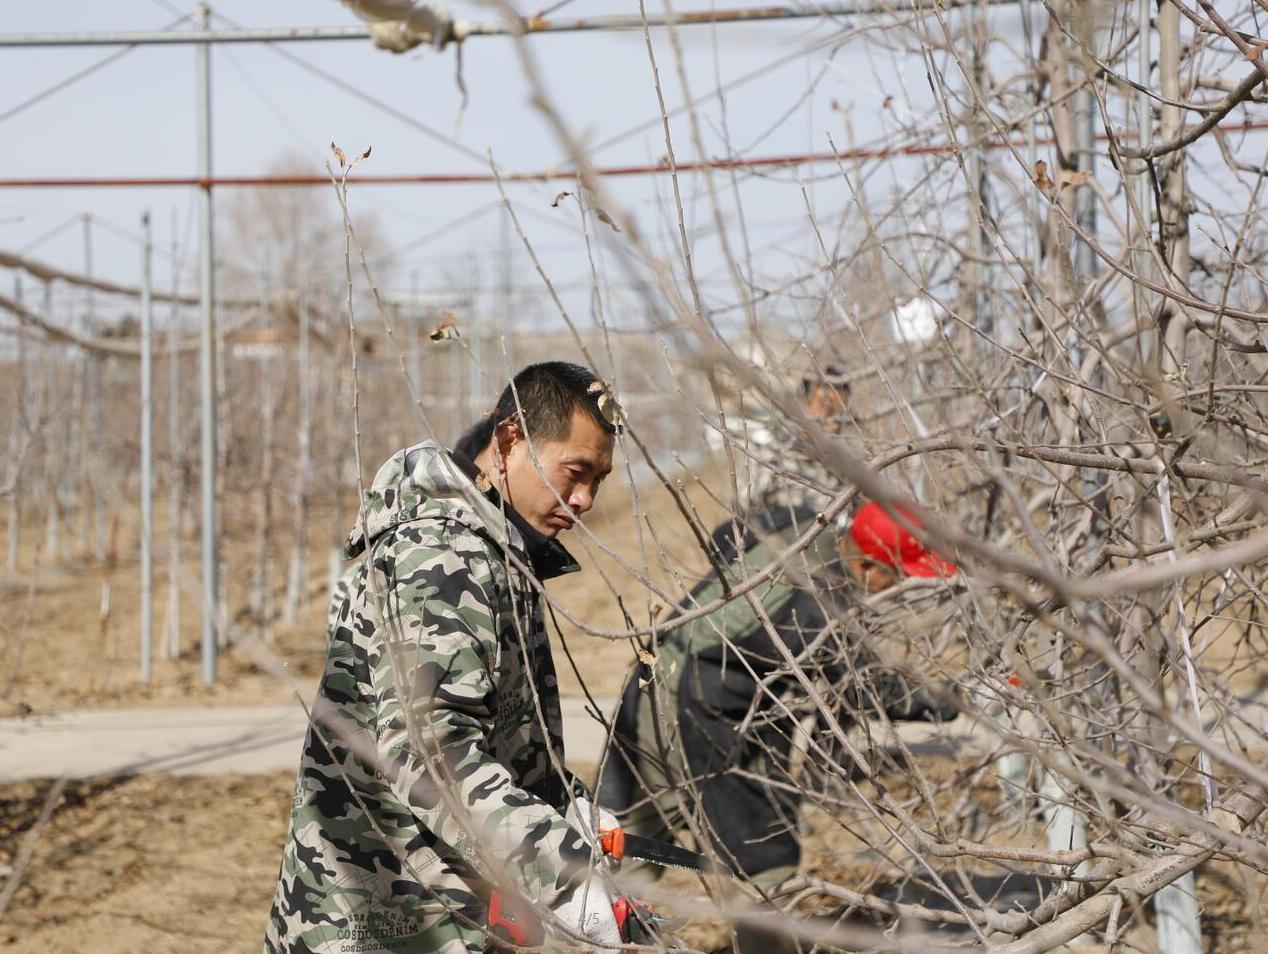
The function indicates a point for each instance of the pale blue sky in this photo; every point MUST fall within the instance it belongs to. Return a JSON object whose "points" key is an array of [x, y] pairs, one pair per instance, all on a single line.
{"points": [[135, 117]]}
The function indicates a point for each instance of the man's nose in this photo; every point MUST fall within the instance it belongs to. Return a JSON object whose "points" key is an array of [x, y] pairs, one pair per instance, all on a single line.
{"points": [[582, 498]]}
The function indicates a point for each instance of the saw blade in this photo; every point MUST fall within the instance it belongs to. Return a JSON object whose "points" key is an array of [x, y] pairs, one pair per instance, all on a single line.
{"points": [[666, 855]]}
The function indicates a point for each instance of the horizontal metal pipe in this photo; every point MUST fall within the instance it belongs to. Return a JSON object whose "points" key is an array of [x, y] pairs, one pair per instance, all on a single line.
{"points": [[155, 37], [472, 178], [543, 175], [464, 28]]}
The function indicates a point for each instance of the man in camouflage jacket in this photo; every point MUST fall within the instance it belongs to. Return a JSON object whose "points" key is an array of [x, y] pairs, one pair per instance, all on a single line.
{"points": [[432, 771]]}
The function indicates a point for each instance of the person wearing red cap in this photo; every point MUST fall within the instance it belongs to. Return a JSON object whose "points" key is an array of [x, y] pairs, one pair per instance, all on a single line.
{"points": [[880, 548], [699, 729]]}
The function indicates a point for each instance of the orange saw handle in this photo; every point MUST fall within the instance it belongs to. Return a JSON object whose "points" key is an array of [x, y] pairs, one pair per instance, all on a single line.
{"points": [[612, 841]]}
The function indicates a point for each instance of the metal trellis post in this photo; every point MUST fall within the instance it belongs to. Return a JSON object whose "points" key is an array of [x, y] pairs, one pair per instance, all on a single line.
{"points": [[207, 365], [147, 457]]}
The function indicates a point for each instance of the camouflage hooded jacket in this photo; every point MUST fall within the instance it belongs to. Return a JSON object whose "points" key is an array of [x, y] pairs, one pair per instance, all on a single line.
{"points": [[432, 764]]}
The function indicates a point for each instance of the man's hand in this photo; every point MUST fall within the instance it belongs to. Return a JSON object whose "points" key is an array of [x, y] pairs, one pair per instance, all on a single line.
{"points": [[581, 816]]}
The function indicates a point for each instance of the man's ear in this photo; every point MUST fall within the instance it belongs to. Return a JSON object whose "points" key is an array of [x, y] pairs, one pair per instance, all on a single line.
{"points": [[506, 435]]}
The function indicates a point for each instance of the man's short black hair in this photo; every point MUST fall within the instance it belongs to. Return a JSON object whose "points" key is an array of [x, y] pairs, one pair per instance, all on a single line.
{"points": [[548, 393], [476, 438]]}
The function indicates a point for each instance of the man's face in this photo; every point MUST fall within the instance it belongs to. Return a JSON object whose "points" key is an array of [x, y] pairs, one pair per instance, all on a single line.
{"points": [[573, 469], [826, 405], [872, 575]]}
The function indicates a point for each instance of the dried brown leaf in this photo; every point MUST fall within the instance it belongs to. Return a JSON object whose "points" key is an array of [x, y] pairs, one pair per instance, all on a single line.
{"points": [[343, 160], [608, 407], [559, 198], [1041, 176], [447, 329], [606, 219]]}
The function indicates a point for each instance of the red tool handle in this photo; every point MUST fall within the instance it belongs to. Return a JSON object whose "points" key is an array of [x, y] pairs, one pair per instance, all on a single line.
{"points": [[515, 924], [622, 908], [512, 923]]}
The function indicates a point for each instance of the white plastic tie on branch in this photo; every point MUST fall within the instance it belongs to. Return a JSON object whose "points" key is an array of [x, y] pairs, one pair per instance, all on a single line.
{"points": [[1179, 919], [401, 25], [1176, 906]]}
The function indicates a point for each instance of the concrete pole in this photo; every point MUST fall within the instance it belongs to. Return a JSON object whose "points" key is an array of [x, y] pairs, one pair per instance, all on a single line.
{"points": [[147, 457], [207, 364]]}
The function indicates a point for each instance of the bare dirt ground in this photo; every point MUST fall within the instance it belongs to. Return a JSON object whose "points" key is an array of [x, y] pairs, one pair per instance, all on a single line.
{"points": [[151, 863], [58, 650], [160, 863]]}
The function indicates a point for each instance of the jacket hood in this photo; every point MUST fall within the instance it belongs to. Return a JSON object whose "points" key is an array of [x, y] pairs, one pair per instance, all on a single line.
{"points": [[427, 481]]}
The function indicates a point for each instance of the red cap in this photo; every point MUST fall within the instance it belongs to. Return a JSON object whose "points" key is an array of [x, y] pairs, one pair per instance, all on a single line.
{"points": [[880, 538]]}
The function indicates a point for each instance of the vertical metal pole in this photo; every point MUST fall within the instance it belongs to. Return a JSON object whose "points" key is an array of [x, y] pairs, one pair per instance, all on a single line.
{"points": [[1066, 827], [977, 178], [93, 531], [19, 426], [175, 476], [299, 554], [475, 357], [1085, 197], [1144, 129], [416, 336], [1014, 768], [207, 363], [262, 598], [54, 495], [1034, 242], [147, 457], [1085, 259], [506, 326]]}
